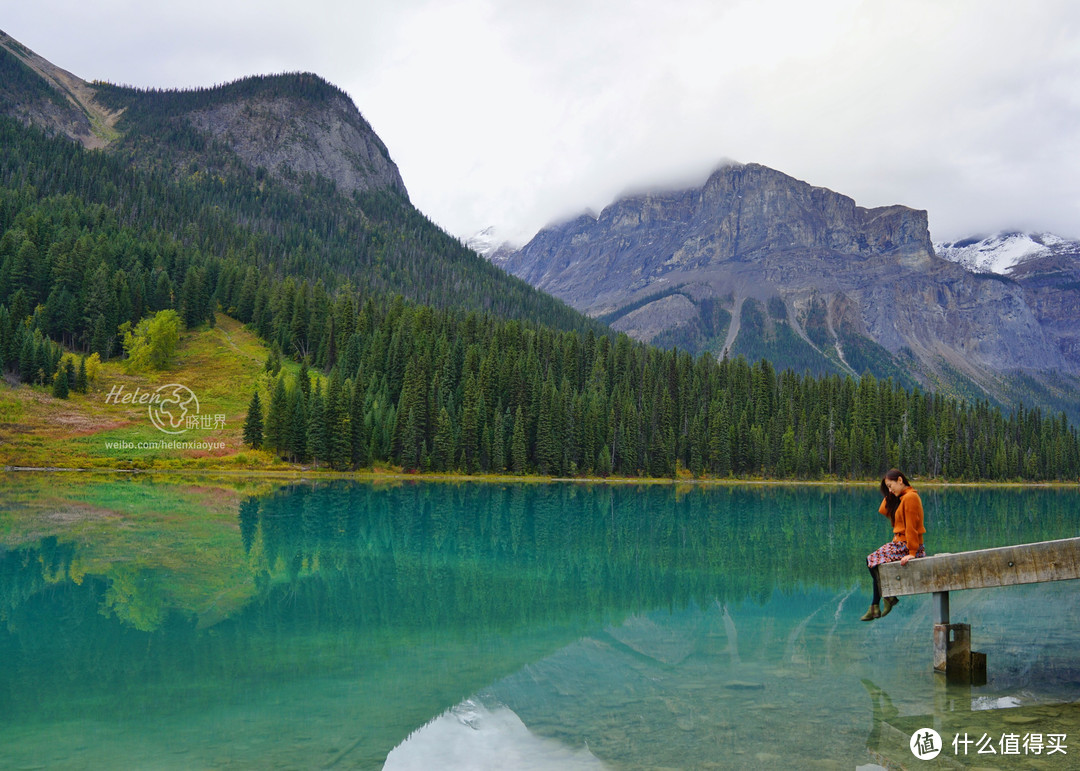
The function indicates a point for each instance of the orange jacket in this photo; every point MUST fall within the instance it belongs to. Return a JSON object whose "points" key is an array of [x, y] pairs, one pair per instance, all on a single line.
{"points": [[908, 522]]}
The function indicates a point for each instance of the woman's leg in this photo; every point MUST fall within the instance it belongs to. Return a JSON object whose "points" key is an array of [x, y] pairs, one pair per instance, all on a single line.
{"points": [[874, 611], [877, 586]]}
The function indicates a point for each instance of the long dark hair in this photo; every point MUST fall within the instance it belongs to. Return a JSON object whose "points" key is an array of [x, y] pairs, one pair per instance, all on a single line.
{"points": [[893, 474], [891, 502]]}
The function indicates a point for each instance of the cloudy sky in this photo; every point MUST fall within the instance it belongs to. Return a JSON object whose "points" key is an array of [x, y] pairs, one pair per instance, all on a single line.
{"points": [[515, 113]]}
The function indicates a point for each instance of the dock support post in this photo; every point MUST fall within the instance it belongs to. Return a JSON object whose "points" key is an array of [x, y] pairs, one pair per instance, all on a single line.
{"points": [[952, 648], [953, 656], [941, 607]]}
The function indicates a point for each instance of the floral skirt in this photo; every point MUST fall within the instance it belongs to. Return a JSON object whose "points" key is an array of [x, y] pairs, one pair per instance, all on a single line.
{"points": [[893, 551]]}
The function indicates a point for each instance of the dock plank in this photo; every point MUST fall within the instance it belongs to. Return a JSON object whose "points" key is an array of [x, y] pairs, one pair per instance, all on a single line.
{"points": [[1004, 566]]}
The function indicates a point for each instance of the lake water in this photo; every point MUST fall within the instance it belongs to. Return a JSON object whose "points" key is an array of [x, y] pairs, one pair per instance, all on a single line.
{"points": [[177, 623]]}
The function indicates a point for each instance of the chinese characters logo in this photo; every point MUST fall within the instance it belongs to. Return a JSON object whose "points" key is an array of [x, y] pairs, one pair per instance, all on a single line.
{"points": [[925, 744]]}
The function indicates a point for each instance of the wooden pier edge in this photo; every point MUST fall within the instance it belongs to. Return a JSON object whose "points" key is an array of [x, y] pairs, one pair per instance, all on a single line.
{"points": [[985, 568], [1028, 563]]}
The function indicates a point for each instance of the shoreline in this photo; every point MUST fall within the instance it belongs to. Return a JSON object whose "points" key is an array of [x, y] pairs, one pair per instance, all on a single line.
{"points": [[376, 475]]}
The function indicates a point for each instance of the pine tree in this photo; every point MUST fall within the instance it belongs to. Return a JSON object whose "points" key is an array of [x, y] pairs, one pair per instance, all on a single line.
{"points": [[340, 441], [253, 425], [470, 426], [273, 361], [547, 446], [338, 424], [304, 378], [277, 417], [603, 461], [193, 298], [27, 363], [358, 427], [698, 446], [82, 383], [662, 446], [498, 443], [162, 296], [60, 384], [519, 448], [443, 449], [788, 462], [298, 428], [317, 448], [411, 441], [411, 431]]}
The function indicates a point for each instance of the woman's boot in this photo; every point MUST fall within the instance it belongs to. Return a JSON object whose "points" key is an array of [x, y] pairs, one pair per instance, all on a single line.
{"points": [[890, 603], [870, 615]]}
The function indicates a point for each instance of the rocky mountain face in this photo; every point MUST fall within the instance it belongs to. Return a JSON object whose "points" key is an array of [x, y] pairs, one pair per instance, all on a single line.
{"points": [[1051, 284], [325, 138], [1047, 266], [289, 126], [759, 263]]}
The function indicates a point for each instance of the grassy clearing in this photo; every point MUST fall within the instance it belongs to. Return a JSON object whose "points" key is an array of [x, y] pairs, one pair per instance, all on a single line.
{"points": [[218, 364]]}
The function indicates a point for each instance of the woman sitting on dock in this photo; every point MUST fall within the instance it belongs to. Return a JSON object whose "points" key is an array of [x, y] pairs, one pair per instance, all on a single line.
{"points": [[903, 507]]}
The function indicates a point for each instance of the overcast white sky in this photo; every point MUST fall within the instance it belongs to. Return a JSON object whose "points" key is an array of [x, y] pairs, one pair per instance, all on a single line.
{"points": [[517, 113]]}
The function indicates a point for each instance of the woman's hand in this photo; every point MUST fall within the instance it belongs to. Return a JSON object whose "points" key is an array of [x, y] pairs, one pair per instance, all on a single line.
{"points": [[904, 559]]}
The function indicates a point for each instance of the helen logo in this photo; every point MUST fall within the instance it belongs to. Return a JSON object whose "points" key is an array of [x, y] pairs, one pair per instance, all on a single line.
{"points": [[173, 408]]}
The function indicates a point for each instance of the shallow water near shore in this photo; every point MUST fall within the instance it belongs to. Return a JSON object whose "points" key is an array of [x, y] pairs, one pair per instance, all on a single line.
{"points": [[171, 623]]}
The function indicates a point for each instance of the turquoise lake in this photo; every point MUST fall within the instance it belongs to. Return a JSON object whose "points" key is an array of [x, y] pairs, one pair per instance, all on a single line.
{"points": [[183, 622]]}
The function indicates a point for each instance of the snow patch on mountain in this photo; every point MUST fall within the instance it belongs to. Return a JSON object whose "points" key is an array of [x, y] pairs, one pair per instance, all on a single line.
{"points": [[493, 245], [486, 241], [1001, 252]]}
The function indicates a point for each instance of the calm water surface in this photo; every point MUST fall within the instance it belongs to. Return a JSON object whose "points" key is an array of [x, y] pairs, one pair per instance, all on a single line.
{"points": [[168, 623]]}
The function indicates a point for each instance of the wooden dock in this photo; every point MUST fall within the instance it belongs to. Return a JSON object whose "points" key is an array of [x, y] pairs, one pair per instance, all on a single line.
{"points": [[940, 574]]}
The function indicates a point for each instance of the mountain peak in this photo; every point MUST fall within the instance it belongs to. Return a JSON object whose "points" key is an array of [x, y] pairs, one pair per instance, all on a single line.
{"points": [[487, 241], [742, 214], [288, 125], [1001, 252]]}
